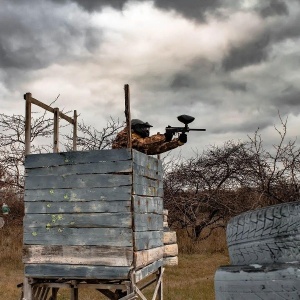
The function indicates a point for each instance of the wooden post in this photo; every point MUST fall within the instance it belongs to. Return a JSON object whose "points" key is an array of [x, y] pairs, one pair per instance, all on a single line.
{"points": [[56, 131], [54, 293], [75, 131], [158, 155], [27, 98], [160, 289], [74, 294], [27, 289], [74, 290], [127, 115]]}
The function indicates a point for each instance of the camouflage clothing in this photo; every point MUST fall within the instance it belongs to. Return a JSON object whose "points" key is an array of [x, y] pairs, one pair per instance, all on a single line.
{"points": [[151, 145]]}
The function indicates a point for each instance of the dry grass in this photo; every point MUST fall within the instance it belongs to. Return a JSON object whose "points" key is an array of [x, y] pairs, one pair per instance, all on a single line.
{"points": [[192, 279], [11, 269], [216, 243]]}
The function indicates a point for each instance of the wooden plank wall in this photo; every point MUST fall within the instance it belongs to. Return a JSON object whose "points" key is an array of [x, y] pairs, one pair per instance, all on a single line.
{"points": [[78, 218], [95, 214], [147, 214]]}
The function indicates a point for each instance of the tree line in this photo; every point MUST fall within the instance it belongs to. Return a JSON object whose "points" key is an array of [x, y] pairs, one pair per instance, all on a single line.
{"points": [[201, 193]]}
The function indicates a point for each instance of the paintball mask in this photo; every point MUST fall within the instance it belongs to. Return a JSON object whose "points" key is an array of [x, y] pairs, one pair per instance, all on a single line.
{"points": [[140, 127]]}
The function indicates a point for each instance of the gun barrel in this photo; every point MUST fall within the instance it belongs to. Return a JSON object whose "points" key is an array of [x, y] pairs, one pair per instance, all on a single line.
{"points": [[202, 129], [183, 129]]}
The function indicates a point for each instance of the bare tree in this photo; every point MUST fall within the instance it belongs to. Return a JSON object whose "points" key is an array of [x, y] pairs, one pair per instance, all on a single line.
{"points": [[203, 192], [276, 173], [90, 138], [12, 143], [198, 192]]}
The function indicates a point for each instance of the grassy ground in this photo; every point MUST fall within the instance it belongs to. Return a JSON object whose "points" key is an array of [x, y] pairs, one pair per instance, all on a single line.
{"points": [[192, 279]]}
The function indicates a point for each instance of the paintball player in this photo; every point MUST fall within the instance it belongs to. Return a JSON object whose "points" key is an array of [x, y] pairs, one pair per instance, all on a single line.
{"points": [[141, 141]]}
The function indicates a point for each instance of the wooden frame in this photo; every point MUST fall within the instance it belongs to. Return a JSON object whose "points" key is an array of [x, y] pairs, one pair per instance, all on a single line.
{"points": [[128, 115], [57, 114], [144, 190], [42, 289]]}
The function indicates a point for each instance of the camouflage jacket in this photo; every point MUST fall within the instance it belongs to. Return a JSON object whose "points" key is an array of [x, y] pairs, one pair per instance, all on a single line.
{"points": [[151, 145]]}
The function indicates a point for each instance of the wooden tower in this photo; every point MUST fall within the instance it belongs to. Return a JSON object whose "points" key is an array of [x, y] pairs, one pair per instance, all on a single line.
{"points": [[93, 219]]}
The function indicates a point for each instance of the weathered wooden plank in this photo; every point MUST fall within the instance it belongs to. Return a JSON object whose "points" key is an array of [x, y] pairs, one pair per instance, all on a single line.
{"points": [[147, 181], [78, 255], [77, 207], [76, 271], [146, 271], [171, 250], [145, 257], [143, 171], [80, 220], [144, 190], [146, 161], [75, 194], [145, 222], [170, 237], [107, 167], [147, 204], [147, 240], [77, 181], [171, 261], [121, 237], [77, 157]]}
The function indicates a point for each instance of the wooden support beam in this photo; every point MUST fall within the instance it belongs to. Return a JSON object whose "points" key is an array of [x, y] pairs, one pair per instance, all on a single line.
{"points": [[128, 115], [159, 287], [75, 131], [140, 293], [28, 100], [148, 283], [54, 293], [74, 294], [57, 114], [131, 296], [27, 289], [51, 109], [56, 131], [74, 290]]}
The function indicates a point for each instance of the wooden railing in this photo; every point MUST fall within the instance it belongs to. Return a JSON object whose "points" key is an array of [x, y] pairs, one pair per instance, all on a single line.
{"points": [[57, 114]]}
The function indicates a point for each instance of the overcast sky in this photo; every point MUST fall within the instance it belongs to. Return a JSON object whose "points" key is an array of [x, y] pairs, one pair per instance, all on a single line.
{"points": [[233, 65]]}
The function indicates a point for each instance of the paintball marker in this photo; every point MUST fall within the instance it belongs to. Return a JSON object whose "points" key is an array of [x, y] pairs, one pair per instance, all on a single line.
{"points": [[185, 119]]}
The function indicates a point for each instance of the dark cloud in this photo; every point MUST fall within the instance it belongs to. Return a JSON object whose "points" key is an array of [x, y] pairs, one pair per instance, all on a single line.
{"points": [[196, 74], [235, 86], [251, 53], [290, 97], [92, 5], [274, 8], [195, 9], [182, 80], [190, 9], [36, 39], [245, 127], [286, 30]]}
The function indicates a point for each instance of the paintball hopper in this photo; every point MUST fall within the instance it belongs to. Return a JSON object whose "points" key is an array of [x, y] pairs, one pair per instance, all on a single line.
{"points": [[185, 119]]}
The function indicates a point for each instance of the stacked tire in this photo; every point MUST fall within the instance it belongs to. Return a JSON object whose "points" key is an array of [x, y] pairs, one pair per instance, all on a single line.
{"points": [[264, 251]]}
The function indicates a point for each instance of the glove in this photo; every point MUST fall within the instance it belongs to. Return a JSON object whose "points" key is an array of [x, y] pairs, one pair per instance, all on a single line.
{"points": [[168, 136], [182, 138]]}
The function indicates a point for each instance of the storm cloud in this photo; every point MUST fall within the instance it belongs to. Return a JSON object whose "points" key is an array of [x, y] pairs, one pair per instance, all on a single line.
{"points": [[33, 39], [251, 53], [274, 8], [233, 66], [92, 5], [194, 9]]}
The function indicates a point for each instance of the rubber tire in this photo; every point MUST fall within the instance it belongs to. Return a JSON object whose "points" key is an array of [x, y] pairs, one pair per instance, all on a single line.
{"points": [[268, 282], [267, 235]]}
